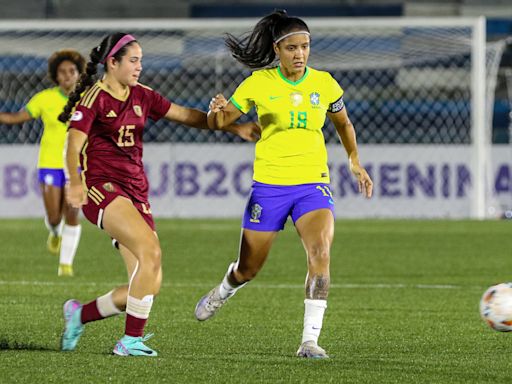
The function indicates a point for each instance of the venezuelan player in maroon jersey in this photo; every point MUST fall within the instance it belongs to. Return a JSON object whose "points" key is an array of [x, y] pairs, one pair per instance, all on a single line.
{"points": [[106, 132]]}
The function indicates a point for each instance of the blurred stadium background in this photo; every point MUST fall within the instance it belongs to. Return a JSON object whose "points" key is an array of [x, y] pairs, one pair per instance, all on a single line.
{"points": [[430, 99], [429, 88]]}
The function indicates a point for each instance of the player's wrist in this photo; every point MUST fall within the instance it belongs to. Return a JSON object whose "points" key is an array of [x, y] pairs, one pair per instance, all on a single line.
{"points": [[353, 159]]}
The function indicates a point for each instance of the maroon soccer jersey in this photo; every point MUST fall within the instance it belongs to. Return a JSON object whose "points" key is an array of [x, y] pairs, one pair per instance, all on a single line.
{"points": [[113, 151]]}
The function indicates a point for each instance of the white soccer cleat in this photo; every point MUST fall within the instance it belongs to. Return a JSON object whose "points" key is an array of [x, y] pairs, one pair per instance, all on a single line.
{"points": [[209, 304], [311, 350]]}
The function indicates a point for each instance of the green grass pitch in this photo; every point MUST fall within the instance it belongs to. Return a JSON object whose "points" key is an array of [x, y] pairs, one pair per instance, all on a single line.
{"points": [[403, 307]]}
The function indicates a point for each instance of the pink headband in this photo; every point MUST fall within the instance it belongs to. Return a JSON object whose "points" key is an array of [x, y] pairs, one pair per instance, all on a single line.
{"points": [[120, 44]]}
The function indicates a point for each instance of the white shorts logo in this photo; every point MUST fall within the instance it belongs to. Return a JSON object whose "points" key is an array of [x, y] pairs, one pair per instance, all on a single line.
{"points": [[48, 179], [77, 116]]}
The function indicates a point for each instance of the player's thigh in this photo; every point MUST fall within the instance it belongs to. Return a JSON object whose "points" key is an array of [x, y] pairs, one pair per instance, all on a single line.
{"points": [[123, 222], [254, 248], [316, 229]]}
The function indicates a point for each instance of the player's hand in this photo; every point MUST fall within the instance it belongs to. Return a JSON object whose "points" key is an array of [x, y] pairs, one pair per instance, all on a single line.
{"points": [[363, 179], [75, 195], [217, 103], [248, 131]]}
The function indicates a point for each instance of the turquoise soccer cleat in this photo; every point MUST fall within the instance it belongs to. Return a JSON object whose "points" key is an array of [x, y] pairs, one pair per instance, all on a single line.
{"points": [[73, 326], [134, 346]]}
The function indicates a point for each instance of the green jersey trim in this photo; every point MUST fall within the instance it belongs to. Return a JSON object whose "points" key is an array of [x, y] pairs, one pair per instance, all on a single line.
{"points": [[293, 82], [29, 112], [61, 92], [236, 105]]}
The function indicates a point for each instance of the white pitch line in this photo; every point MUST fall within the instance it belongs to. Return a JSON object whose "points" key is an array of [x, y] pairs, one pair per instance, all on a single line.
{"points": [[259, 286]]}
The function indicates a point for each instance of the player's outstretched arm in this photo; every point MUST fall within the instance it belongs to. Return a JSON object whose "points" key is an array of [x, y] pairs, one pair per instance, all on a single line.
{"points": [[347, 135], [75, 194], [198, 119], [14, 117], [187, 116]]}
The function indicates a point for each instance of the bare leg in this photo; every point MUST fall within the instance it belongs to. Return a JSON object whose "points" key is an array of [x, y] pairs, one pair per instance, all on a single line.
{"points": [[316, 230], [52, 199], [254, 249], [71, 233], [124, 223], [141, 253], [120, 294]]}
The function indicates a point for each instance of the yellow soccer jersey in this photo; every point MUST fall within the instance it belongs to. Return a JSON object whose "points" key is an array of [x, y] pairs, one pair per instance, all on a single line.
{"points": [[47, 105], [292, 149]]}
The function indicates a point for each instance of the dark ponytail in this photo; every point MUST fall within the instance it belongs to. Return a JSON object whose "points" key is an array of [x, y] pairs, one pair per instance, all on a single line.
{"points": [[97, 56], [256, 49]]}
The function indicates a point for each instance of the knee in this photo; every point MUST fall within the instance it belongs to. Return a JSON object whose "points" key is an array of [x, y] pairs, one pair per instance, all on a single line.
{"points": [[54, 218], [151, 258], [319, 253]]}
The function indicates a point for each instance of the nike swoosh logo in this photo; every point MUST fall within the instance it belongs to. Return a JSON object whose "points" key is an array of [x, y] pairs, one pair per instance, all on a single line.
{"points": [[274, 97], [315, 328]]}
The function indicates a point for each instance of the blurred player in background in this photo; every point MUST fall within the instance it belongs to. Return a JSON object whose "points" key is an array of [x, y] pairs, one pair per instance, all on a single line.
{"points": [[105, 131], [64, 69], [291, 177]]}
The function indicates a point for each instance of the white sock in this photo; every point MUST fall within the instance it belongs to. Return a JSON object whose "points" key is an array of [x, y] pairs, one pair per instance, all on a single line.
{"points": [[139, 308], [226, 290], [106, 306], [70, 240], [313, 317], [55, 229]]}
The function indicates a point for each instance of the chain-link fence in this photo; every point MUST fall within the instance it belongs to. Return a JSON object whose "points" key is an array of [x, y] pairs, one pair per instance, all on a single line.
{"points": [[403, 84]]}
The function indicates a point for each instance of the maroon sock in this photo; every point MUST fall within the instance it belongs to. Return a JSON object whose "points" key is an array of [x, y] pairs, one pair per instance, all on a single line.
{"points": [[134, 326], [90, 313]]}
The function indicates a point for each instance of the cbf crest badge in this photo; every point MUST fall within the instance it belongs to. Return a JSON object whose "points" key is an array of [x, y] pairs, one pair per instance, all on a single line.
{"points": [[314, 98], [138, 110], [256, 213]]}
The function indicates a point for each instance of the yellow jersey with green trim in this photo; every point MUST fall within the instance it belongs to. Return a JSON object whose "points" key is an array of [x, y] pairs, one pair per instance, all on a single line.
{"points": [[47, 105], [291, 149]]}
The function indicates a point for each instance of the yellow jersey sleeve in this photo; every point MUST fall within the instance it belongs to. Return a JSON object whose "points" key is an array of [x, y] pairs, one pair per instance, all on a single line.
{"points": [[243, 98], [334, 89], [336, 103], [34, 106]]}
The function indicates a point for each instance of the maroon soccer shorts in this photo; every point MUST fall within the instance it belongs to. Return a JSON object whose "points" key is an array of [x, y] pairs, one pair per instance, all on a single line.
{"points": [[102, 194]]}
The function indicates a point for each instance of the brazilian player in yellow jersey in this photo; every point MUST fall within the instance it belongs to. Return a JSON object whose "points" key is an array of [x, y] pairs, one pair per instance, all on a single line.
{"points": [[291, 150], [291, 177], [64, 69]]}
